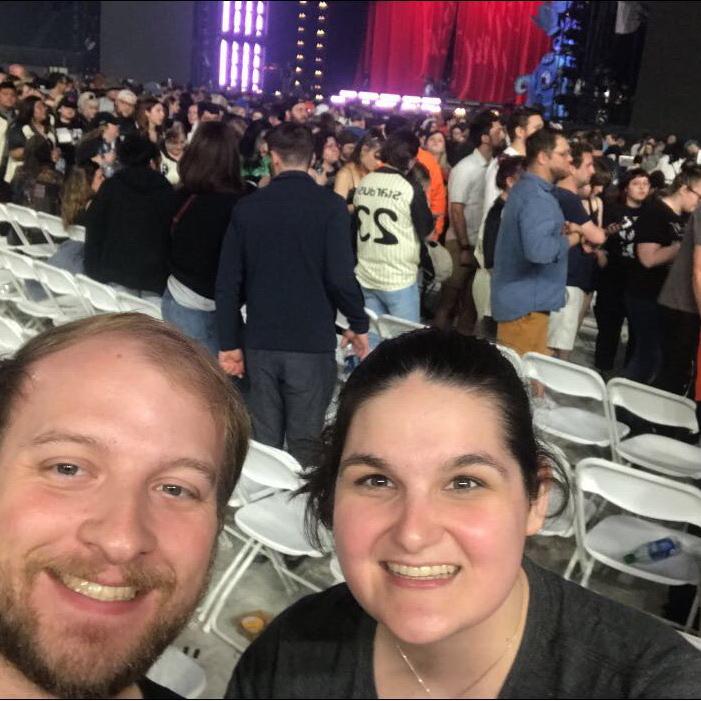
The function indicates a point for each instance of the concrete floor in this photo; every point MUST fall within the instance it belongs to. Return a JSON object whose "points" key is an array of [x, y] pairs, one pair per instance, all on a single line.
{"points": [[262, 589]]}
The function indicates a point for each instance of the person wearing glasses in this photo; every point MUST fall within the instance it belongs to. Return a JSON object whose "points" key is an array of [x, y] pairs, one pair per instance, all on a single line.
{"points": [[658, 235]]}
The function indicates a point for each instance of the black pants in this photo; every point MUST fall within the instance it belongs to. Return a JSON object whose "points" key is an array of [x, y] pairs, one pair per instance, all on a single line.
{"points": [[644, 319], [680, 342], [288, 396], [610, 313]]}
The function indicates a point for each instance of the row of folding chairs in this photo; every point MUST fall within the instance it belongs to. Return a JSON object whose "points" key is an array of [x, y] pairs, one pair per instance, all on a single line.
{"points": [[26, 222], [597, 424], [269, 521], [633, 508], [43, 292], [383, 325]]}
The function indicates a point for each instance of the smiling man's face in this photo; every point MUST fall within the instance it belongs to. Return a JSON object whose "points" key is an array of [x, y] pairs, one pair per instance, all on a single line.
{"points": [[108, 472]]}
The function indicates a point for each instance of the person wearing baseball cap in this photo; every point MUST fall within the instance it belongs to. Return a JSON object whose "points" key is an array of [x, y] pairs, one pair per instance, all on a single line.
{"points": [[100, 146], [68, 129], [125, 107]]}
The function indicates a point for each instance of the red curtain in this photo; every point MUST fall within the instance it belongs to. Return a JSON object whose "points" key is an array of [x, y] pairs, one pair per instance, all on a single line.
{"points": [[495, 42], [405, 42]]}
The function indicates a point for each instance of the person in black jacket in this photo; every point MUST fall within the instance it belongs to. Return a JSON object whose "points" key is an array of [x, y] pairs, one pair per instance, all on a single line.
{"points": [[210, 173], [287, 256], [128, 223]]}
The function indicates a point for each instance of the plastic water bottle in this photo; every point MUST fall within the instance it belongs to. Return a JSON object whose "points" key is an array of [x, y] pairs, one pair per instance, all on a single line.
{"points": [[350, 363], [653, 551]]}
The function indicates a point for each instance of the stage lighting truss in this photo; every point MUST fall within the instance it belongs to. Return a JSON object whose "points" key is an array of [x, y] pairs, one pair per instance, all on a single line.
{"points": [[244, 26]]}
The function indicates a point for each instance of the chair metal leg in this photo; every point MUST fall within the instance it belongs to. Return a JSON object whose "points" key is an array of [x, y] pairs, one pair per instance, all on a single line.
{"points": [[213, 593], [586, 573], [211, 622], [280, 568], [692, 613], [571, 565]]}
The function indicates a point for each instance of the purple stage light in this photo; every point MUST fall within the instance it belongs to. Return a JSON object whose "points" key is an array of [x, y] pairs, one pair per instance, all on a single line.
{"points": [[240, 58]]}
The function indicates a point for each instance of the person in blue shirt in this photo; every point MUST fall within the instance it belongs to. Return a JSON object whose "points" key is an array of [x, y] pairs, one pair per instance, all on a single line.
{"points": [[530, 259]]}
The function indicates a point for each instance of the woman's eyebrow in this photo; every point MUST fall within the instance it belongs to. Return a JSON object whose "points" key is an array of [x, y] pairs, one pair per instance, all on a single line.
{"points": [[363, 459], [470, 459]]}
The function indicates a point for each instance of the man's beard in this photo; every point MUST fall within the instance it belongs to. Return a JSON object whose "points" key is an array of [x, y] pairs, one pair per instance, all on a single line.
{"points": [[83, 662]]}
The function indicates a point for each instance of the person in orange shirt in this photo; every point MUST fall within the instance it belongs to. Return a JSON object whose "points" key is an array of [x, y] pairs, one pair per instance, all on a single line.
{"points": [[437, 193]]}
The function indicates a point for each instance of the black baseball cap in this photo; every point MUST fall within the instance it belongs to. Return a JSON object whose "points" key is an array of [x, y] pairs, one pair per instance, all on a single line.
{"points": [[103, 118]]}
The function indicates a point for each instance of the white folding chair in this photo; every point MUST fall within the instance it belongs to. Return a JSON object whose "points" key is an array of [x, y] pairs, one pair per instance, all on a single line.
{"points": [[64, 291], [77, 233], [22, 219], [643, 496], [131, 303], [572, 423], [513, 357], [178, 672], [276, 524], [696, 642], [24, 272], [651, 451], [102, 297], [393, 326], [52, 227]]}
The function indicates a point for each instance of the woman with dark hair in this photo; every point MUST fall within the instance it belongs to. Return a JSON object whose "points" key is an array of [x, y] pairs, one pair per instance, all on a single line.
{"points": [[37, 183], [150, 115], [658, 236], [432, 479], [32, 120], [254, 153], [615, 260], [326, 159], [364, 160], [210, 173]]}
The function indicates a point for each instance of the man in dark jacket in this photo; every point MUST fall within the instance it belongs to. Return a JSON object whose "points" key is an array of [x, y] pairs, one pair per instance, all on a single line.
{"points": [[128, 223], [287, 256]]}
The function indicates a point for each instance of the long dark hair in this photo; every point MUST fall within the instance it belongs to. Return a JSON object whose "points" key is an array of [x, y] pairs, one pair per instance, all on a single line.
{"points": [[444, 357], [373, 138], [37, 155], [211, 161], [25, 111]]}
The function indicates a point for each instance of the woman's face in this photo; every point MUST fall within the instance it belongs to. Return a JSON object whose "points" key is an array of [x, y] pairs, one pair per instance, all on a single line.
{"points": [[39, 111], [156, 115], [111, 133], [175, 148], [331, 152], [430, 513], [369, 157], [192, 114], [89, 111], [457, 135], [638, 189], [435, 144]]}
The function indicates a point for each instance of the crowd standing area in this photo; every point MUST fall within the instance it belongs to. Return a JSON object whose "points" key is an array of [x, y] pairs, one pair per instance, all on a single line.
{"points": [[361, 275]]}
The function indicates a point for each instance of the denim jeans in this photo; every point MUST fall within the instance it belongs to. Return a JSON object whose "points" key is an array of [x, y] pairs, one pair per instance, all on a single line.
{"points": [[198, 325], [288, 396], [404, 303]]}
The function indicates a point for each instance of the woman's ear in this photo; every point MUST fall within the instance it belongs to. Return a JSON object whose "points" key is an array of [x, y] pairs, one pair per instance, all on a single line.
{"points": [[539, 506]]}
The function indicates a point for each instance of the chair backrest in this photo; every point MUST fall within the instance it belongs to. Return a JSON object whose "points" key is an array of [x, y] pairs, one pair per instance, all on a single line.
{"points": [[342, 322], [513, 357], [393, 326], [21, 266], [132, 303], [639, 492], [25, 217], [102, 297], [52, 226], [271, 467], [61, 282], [4, 214], [564, 377], [11, 337], [77, 233], [653, 405]]}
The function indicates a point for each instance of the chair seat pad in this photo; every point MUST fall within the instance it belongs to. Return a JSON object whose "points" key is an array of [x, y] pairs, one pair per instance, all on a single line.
{"points": [[576, 425], [662, 454]]}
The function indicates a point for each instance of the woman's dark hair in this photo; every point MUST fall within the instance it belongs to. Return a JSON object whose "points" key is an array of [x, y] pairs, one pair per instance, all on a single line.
{"points": [[211, 161], [136, 150], [603, 176], [249, 140], [399, 149], [443, 357], [320, 139], [25, 109], [37, 155], [626, 180], [145, 105], [372, 138], [509, 167], [657, 180]]}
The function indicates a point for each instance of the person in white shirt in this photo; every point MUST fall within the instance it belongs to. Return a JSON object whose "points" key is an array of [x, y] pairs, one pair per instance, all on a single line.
{"points": [[466, 187]]}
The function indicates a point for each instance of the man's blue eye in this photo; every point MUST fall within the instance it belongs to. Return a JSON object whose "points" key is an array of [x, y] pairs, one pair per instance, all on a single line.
{"points": [[67, 469]]}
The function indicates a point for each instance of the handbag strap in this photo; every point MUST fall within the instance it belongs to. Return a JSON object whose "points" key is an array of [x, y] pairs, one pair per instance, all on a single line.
{"points": [[181, 212]]}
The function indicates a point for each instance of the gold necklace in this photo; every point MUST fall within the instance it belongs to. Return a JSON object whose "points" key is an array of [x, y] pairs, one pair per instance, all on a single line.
{"points": [[474, 682]]}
